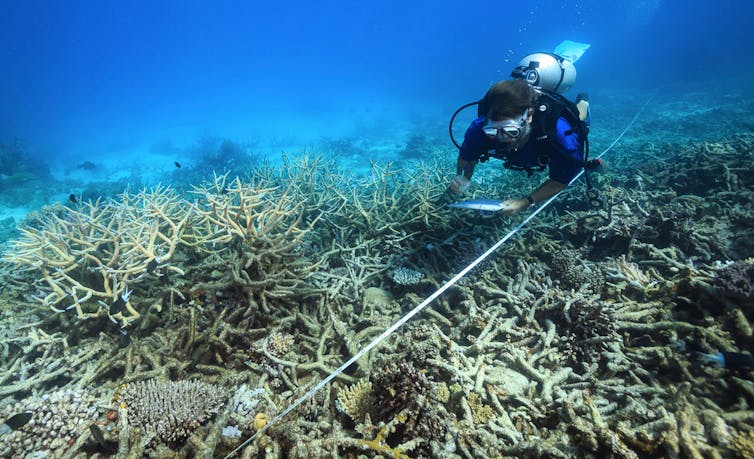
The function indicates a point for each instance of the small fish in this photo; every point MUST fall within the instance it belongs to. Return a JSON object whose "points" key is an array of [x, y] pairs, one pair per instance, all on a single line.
{"points": [[487, 205], [99, 437], [125, 339], [117, 306], [15, 422], [72, 197], [735, 361], [177, 164], [152, 265], [224, 190], [87, 165], [96, 432]]}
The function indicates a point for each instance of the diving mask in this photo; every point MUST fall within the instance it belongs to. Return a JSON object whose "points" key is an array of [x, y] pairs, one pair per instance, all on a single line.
{"points": [[512, 129]]}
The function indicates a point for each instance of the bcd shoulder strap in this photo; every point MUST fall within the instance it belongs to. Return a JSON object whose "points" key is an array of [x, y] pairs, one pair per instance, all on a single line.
{"points": [[548, 109]]}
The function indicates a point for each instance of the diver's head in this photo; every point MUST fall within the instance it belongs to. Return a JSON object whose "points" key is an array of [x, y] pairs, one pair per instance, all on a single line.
{"points": [[508, 109], [547, 71]]}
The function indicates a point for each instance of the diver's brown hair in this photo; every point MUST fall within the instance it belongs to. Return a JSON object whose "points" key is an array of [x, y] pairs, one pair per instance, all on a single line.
{"points": [[507, 99]]}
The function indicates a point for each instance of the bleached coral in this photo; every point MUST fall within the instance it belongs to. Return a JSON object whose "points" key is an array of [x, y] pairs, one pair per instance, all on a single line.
{"points": [[89, 258], [629, 272]]}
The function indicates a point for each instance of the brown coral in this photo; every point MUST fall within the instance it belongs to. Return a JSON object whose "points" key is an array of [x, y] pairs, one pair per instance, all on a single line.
{"points": [[572, 273], [56, 420], [592, 331], [398, 386], [737, 280]]}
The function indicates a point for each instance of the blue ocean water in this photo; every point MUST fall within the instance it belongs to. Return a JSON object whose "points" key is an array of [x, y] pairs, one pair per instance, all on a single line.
{"points": [[143, 82]]}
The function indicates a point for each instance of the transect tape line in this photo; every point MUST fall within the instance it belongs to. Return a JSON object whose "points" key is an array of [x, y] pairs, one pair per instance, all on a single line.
{"points": [[424, 303]]}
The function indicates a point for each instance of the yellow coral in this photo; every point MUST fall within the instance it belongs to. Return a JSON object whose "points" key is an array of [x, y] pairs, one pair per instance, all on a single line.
{"points": [[743, 445], [90, 257], [480, 413], [379, 445], [441, 392], [356, 399], [260, 420]]}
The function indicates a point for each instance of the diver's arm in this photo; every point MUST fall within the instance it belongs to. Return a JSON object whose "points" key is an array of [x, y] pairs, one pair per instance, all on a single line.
{"points": [[462, 180], [475, 143], [465, 168], [547, 190]]}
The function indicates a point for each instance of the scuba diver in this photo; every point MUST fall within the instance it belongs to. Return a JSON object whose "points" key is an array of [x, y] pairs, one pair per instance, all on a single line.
{"points": [[530, 126]]}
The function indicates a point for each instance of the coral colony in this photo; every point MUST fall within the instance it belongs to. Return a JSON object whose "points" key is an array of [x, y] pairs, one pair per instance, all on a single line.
{"points": [[174, 323]]}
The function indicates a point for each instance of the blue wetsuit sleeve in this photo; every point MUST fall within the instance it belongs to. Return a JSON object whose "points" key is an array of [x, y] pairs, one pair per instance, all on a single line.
{"points": [[475, 141], [564, 167]]}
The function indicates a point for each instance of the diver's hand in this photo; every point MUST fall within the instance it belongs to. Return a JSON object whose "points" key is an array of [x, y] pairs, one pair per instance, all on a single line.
{"points": [[459, 184], [514, 206]]}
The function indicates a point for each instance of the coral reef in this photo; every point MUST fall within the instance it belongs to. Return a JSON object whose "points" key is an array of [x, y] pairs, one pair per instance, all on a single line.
{"points": [[743, 445], [90, 259], [571, 272], [580, 339], [591, 331]]}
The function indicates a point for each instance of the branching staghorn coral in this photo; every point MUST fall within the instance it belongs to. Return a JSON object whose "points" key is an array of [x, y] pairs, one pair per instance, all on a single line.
{"points": [[91, 258], [265, 224]]}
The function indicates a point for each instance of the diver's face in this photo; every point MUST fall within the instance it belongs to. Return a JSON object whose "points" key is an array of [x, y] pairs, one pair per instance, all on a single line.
{"points": [[510, 130]]}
